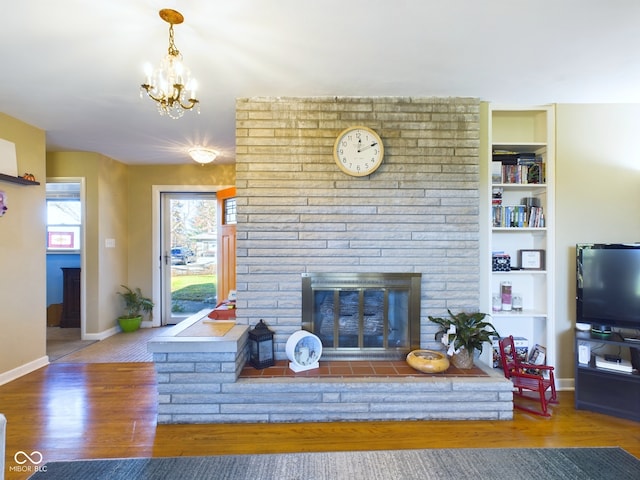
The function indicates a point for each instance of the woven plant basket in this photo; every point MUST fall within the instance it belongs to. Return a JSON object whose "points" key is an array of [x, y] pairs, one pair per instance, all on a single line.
{"points": [[463, 359]]}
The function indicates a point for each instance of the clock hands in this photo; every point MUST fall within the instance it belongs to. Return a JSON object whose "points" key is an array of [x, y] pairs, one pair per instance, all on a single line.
{"points": [[362, 149]]}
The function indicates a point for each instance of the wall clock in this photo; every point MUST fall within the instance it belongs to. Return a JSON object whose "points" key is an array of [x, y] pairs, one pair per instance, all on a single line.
{"points": [[358, 151]]}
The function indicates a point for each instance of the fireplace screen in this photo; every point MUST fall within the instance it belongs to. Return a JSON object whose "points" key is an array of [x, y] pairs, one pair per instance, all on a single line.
{"points": [[358, 316]]}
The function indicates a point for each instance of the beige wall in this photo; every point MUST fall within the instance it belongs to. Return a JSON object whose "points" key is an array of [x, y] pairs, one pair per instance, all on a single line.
{"points": [[106, 216], [597, 193], [22, 256], [118, 201], [597, 196], [141, 181]]}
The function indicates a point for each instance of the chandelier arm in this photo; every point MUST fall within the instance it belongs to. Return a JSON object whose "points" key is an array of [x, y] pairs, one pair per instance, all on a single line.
{"points": [[159, 98], [192, 103]]}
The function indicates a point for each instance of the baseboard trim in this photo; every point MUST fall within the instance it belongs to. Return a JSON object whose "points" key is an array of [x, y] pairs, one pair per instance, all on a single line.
{"points": [[566, 384], [22, 370], [102, 335]]}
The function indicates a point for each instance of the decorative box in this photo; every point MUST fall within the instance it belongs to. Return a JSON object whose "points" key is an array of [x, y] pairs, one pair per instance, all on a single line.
{"points": [[501, 263]]}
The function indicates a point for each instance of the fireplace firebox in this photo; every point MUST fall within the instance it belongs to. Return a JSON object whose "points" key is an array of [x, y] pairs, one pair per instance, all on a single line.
{"points": [[360, 316]]}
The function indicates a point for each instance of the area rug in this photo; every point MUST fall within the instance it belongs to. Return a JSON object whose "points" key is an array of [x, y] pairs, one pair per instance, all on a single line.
{"points": [[121, 347], [63, 341], [461, 464]]}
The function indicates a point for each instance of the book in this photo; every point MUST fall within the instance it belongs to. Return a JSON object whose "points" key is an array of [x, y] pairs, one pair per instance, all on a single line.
{"points": [[538, 355], [496, 172]]}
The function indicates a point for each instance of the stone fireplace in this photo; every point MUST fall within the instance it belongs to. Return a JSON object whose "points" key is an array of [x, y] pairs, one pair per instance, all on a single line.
{"points": [[418, 214], [298, 213], [363, 316]]}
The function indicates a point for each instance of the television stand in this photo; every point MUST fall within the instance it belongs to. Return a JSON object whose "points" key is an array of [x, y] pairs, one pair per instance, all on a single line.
{"points": [[607, 390]]}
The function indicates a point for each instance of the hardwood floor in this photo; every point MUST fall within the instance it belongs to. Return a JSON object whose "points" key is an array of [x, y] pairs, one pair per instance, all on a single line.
{"points": [[80, 411]]}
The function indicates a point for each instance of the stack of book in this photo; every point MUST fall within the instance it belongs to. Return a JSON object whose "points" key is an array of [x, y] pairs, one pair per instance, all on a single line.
{"points": [[517, 216], [514, 167]]}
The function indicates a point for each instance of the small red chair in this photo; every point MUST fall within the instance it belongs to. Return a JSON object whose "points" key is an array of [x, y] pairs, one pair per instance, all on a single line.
{"points": [[527, 377]]}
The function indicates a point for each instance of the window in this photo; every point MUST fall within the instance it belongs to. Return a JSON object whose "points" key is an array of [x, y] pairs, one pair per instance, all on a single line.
{"points": [[64, 217], [230, 211]]}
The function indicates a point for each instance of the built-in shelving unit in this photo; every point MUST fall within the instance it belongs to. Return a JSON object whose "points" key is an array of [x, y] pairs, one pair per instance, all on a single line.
{"points": [[519, 184], [18, 180]]}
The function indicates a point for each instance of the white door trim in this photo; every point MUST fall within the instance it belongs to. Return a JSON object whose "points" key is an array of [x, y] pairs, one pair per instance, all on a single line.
{"points": [[83, 248], [156, 254]]}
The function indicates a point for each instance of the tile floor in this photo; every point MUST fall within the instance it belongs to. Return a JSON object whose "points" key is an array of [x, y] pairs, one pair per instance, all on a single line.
{"points": [[362, 368]]}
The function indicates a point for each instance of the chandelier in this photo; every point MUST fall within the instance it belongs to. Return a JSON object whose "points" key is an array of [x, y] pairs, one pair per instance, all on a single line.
{"points": [[171, 85], [203, 155]]}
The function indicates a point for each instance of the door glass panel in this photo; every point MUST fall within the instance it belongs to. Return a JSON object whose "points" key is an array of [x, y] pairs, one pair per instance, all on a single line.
{"points": [[190, 260]]}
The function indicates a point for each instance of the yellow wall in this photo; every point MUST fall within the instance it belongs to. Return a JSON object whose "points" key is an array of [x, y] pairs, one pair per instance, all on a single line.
{"points": [[597, 193], [22, 256], [106, 216], [119, 207], [597, 196], [141, 181]]}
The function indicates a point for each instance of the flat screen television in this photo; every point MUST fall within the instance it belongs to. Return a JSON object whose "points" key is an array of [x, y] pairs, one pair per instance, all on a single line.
{"points": [[608, 285]]}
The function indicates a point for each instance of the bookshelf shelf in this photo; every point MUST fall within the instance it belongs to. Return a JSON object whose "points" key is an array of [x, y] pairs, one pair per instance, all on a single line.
{"points": [[540, 230], [521, 186]]}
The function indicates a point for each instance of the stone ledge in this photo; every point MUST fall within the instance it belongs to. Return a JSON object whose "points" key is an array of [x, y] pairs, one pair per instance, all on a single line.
{"points": [[198, 383], [169, 342]]}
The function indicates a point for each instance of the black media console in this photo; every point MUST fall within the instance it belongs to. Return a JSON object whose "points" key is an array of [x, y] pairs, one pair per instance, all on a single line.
{"points": [[608, 385]]}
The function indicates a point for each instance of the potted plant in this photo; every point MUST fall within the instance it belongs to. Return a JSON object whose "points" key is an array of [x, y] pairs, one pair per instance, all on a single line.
{"points": [[135, 304], [469, 332]]}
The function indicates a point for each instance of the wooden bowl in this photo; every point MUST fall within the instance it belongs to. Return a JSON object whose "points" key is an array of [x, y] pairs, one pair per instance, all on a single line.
{"points": [[428, 361]]}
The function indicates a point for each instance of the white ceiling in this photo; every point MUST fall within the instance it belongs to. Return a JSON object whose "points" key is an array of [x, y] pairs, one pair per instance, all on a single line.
{"points": [[73, 67]]}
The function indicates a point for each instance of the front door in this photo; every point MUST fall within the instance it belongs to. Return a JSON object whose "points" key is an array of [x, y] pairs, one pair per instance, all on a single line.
{"points": [[189, 249]]}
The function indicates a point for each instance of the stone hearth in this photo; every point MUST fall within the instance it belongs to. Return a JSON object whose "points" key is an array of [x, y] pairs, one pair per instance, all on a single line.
{"points": [[199, 381]]}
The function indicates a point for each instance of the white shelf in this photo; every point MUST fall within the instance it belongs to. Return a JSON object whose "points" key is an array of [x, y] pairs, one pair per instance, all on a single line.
{"points": [[523, 186], [540, 230], [518, 146], [525, 314]]}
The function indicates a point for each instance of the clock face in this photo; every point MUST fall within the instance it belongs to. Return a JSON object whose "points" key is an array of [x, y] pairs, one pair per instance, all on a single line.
{"points": [[358, 151]]}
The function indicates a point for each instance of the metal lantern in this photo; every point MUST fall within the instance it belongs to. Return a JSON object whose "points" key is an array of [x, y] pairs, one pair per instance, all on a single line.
{"points": [[261, 346]]}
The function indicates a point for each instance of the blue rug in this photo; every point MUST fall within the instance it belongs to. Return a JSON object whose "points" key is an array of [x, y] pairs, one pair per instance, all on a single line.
{"points": [[460, 464]]}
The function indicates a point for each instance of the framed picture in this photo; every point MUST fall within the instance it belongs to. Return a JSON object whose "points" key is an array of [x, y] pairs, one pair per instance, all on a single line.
{"points": [[60, 240], [531, 259]]}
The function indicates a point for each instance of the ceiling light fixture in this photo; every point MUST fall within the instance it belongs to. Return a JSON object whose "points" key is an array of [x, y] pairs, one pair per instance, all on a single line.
{"points": [[169, 83], [203, 155]]}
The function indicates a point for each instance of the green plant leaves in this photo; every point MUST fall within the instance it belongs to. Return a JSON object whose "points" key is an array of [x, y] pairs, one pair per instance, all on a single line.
{"points": [[471, 329]]}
